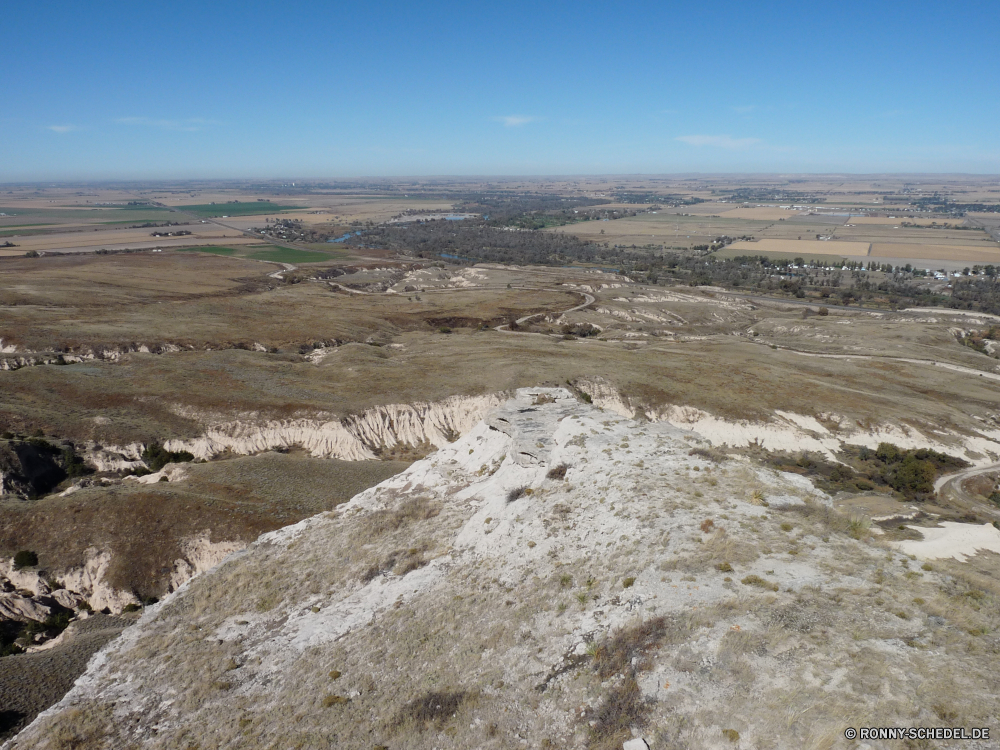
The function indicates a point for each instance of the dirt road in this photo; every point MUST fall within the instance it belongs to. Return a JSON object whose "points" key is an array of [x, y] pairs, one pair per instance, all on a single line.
{"points": [[950, 490]]}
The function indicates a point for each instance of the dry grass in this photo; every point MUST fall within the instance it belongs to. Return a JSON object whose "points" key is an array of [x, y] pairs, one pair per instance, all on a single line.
{"points": [[143, 526]]}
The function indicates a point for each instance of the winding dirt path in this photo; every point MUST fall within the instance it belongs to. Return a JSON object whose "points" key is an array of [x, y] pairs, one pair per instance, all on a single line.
{"points": [[589, 299], [949, 488], [890, 358]]}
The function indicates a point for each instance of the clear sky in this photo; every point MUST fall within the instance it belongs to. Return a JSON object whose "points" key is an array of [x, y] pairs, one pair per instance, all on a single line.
{"points": [[211, 89]]}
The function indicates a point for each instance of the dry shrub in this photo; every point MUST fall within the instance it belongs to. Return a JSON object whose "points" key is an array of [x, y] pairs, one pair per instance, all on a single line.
{"points": [[400, 562], [409, 511], [623, 708], [737, 643], [707, 525], [561, 511], [515, 493], [615, 655], [755, 580], [557, 472], [79, 728], [709, 454], [432, 709]]}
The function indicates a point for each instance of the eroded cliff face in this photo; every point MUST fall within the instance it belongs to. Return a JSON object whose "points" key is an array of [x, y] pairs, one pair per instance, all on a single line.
{"points": [[33, 595], [559, 576], [788, 431], [354, 438], [27, 470], [357, 437]]}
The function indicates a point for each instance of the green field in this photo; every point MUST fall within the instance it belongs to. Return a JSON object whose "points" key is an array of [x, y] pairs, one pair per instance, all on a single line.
{"points": [[208, 249], [85, 215], [248, 208], [263, 252]]}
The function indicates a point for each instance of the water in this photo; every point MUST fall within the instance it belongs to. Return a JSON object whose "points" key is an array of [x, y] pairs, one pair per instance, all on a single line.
{"points": [[345, 237]]}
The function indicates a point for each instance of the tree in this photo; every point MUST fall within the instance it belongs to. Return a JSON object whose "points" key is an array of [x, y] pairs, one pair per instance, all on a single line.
{"points": [[25, 559]]}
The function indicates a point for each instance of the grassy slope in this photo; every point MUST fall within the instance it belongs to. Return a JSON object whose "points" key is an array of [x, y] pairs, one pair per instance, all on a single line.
{"points": [[143, 525]]}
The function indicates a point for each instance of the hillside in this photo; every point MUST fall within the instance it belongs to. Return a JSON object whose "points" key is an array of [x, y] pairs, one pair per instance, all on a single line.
{"points": [[559, 576]]}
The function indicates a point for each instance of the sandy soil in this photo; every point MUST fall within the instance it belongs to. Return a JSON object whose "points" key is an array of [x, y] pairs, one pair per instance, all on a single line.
{"points": [[955, 540], [820, 247]]}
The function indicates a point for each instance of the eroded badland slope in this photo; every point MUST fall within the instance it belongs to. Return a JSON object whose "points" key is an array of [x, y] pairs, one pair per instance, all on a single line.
{"points": [[559, 576]]}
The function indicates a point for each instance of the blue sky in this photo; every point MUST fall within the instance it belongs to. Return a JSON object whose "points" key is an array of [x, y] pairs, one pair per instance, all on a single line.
{"points": [[332, 89]]}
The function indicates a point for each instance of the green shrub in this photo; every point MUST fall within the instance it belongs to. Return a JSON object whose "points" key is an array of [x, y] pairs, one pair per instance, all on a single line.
{"points": [[25, 559], [73, 465], [156, 457], [627, 582]]}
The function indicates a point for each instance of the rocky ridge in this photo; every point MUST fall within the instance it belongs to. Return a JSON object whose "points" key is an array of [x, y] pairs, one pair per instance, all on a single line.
{"points": [[558, 577]]}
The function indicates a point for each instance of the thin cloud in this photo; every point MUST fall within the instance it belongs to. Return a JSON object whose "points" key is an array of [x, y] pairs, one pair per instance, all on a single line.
{"points": [[189, 125], [718, 141], [62, 128], [515, 121], [745, 110]]}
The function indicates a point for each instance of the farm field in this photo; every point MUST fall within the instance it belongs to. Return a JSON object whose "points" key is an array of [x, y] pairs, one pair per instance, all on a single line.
{"points": [[984, 253], [267, 252], [896, 221], [117, 239], [242, 208], [18, 216], [828, 248], [760, 214]]}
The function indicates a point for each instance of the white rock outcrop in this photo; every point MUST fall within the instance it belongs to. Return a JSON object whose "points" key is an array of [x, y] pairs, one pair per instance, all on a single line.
{"points": [[354, 438]]}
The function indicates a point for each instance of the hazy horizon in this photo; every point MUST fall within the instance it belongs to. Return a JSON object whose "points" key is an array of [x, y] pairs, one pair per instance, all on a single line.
{"points": [[317, 91]]}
